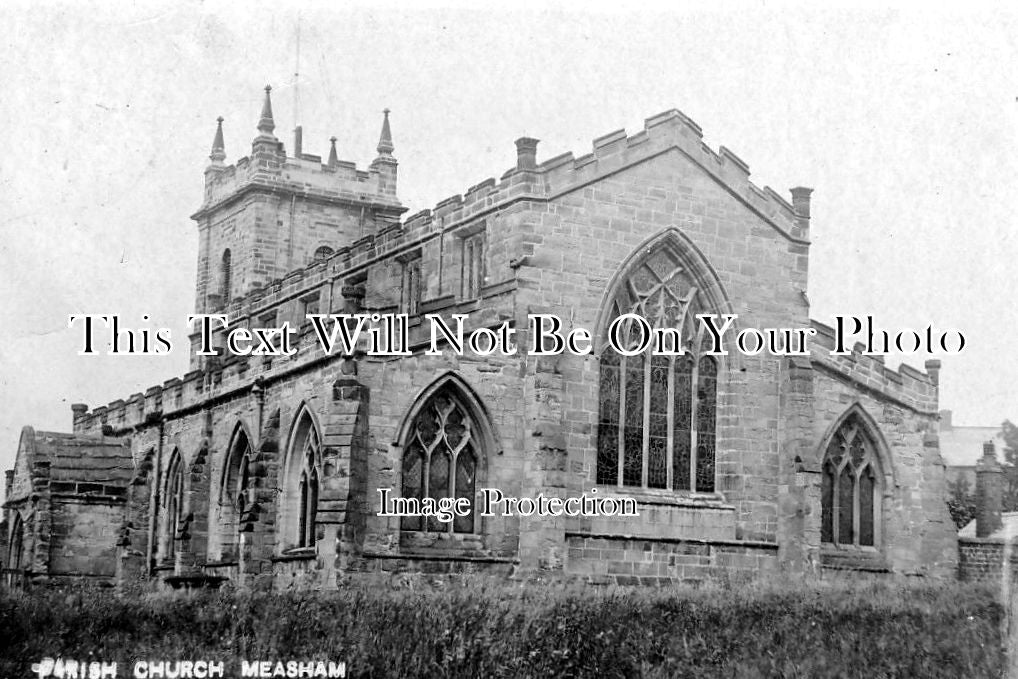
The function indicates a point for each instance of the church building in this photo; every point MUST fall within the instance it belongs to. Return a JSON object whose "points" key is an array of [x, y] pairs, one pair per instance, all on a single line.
{"points": [[265, 470]]}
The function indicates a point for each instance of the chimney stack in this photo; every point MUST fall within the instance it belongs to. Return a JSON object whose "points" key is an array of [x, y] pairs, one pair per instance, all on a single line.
{"points": [[526, 153], [800, 201], [989, 492]]}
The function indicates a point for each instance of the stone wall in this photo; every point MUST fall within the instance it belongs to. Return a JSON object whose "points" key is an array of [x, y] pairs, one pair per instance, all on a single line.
{"points": [[983, 559]]}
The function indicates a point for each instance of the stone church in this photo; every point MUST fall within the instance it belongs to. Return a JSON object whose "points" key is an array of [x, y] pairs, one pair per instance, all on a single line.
{"points": [[266, 470]]}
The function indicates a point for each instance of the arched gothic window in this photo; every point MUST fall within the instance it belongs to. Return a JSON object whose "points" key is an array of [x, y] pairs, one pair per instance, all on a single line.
{"points": [[303, 474], [657, 414], [323, 252], [173, 504], [226, 276], [440, 458], [234, 495], [850, 487]]}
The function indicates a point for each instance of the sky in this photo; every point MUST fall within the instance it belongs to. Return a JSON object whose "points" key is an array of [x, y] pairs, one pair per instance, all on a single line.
{"points": [[902, 119]]}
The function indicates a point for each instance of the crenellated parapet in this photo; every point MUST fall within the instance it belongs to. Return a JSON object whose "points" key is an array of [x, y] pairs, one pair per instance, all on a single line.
{"points": [[305, 176], [907, 386]]}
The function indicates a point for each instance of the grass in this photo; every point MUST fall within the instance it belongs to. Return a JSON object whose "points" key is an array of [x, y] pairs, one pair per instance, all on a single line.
{"points": [[482, 628]]}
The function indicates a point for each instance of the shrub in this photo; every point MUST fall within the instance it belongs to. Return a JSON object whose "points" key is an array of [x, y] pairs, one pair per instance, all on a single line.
{"points": [[483, 628]]}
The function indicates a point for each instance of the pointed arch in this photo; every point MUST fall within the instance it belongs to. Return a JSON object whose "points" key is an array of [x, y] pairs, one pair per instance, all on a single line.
{"points": [[445, 440], [235, 490], [686, 254], [856, 474], [172, 505], [302, 471], [16, 544], [658, 413]]}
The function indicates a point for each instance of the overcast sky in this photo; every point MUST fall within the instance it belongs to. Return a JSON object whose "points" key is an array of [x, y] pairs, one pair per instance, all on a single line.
{"points": [[902, 120]]}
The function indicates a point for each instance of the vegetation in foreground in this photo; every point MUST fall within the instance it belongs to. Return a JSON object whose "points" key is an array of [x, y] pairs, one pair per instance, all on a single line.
{"points": [[479, 628]]}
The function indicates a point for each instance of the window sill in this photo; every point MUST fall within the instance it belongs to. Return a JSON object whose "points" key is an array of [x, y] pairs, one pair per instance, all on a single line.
{"points": [[420, 542], [668, 498], [296, 554], [853, 558]]}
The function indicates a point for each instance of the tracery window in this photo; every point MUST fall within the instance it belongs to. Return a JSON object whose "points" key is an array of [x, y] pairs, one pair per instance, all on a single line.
{"points": [[850, 487], [657, 414], [440, 460], [323, 252]]}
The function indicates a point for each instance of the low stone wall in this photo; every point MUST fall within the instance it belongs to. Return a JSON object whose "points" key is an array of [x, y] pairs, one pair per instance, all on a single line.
{"points": [[624, 560], [982, 559]]}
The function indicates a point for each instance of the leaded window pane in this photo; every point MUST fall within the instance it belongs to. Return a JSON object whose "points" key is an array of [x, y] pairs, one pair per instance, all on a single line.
{"points": [[438, 482], [608, 420], [682, 428], [413, 470], [866, 496], [632, 466], [705, 422], [657, 462], [303, 518], [827, 505], [465, 468], [846, 503]]}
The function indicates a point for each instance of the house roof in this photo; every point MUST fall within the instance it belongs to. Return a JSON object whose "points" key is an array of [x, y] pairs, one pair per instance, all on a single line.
{"points": [[73, 463], [1009, 526], [963, 446]]}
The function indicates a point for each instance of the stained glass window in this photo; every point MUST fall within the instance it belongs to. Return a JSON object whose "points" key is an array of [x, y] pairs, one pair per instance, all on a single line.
{"points": [[657, 413], [849, 487], [440, 460]]}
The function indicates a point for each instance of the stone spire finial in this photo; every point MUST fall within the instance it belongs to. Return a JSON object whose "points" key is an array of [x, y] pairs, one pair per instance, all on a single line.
{"points": [[333, 158], [385, 147], [218, 154], [266, 125]]}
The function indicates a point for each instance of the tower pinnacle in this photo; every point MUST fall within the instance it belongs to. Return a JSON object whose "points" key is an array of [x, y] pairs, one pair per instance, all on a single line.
{"points": [[218, 154], [266, 125], [333, 158], [385, 147]]}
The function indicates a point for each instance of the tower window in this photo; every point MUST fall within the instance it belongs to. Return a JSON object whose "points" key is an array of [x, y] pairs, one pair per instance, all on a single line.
{"points": [[225, 276], [412, 287], [473, 265], [324, 252]]}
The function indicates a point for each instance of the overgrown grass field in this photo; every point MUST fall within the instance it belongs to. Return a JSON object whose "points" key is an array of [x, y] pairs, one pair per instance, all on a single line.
{"points": [[488, 629]]}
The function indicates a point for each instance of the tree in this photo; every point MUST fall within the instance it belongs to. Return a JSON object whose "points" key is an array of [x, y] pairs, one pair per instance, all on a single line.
{"points": [[961, 501], [1009, 432]]}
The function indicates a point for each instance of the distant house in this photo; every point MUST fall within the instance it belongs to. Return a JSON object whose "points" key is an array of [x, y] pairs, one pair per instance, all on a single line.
{"points": [[961, 447]]}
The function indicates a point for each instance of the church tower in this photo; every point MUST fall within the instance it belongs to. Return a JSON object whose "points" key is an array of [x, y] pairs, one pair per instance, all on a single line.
{"points": [[269, 213]]}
